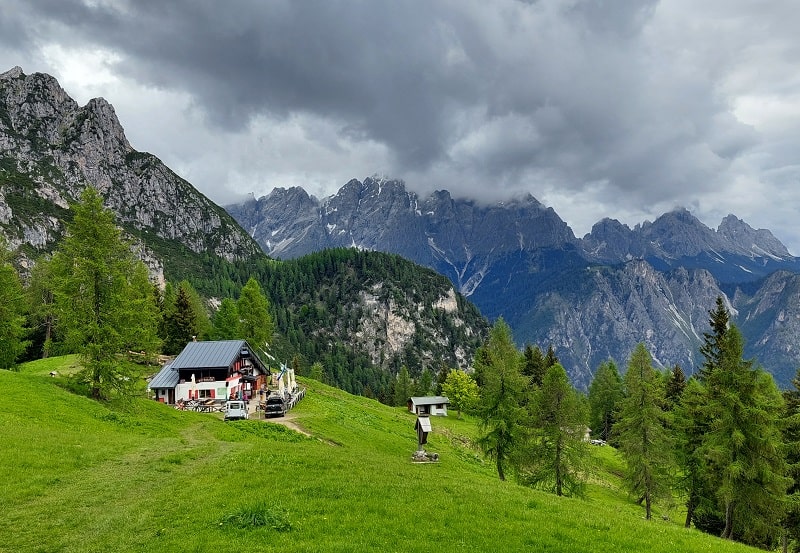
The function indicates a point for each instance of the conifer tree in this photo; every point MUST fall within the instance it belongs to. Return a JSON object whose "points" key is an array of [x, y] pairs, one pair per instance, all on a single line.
{"points": [[676, 382], [12, 313], [743, 445], [99, 296], [556, 459], [180, 323], [690, 423], [643, 441], [502, 394], [255, 321], [605, 394], [403, 387], [225, 323], [535, 365], [791, 431], [711, 349]]}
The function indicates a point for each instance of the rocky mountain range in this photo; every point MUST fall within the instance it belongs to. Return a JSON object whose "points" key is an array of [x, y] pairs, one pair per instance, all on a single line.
{"points": [[592, 298], [51, 149]]}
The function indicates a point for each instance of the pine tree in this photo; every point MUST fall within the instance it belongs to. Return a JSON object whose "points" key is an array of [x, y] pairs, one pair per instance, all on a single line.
{"points": [[99, 298], [557, 457], [12, 313], [605, 394], [502, 394], [643, 441]]}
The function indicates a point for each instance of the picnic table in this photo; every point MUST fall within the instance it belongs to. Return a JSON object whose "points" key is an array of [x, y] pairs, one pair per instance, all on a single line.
{"points": [[207, 406]]}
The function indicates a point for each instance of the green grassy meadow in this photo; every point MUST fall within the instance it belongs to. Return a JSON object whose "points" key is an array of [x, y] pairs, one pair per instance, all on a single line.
{"points": [[80, 476]]}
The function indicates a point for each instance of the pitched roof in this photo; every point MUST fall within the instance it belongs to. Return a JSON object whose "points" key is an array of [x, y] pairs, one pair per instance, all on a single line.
{"points": [[209, 355], [430, 400], [166, 378]]}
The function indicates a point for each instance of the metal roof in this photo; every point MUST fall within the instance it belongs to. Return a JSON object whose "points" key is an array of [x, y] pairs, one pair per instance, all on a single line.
{"points": [[430, 400], [209, 355], [167, 377]]}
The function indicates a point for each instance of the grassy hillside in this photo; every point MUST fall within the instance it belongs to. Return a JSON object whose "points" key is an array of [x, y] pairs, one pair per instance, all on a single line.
{"points": [[79, 476]]}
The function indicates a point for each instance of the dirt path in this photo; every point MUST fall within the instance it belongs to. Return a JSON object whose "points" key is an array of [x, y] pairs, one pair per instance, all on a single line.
{"points": [[288, 421]]}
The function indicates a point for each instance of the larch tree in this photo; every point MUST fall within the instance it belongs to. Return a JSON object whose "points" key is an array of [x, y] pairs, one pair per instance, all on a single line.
{"points": [[690, 424], [225, 322], [99, 296], [403, 387], [643, 440], [12, 313], [255, 321], [503, 418], [462, 391], [743, 445], [557, 457], [605, 394], [791, 430]]}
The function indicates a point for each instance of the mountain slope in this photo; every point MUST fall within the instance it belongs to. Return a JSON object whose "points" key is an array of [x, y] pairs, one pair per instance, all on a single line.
{"points": [[151, 478], [51, 149]]}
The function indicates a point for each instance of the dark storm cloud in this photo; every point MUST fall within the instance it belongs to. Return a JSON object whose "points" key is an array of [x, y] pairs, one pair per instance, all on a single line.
{"points": [[632, 102], [494, 89]]}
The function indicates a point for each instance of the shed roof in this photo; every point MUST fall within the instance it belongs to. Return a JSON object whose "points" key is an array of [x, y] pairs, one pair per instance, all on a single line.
{"points": [[430, 400], [209, 355], [167, 377]]}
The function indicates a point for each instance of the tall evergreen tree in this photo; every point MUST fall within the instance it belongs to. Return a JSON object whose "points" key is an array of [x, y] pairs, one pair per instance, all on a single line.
{"points": [[403, 387], [711, 349], [180, 323], [501, 412], [743, 445], [643, 441], [605, 395], [98, 298], [12, 313], [791, 430], [535, 365], [676, 382], [690, 423], [225, 323], [255, 321], [557, 457]]}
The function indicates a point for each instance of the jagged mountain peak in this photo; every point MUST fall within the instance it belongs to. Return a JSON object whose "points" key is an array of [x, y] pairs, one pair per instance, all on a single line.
{"points": [[757, 242]]}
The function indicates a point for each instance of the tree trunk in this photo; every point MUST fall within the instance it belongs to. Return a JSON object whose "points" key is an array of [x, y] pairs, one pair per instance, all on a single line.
{"points": [[647, 503], [689, 512], [500, 472], [727, 532]]}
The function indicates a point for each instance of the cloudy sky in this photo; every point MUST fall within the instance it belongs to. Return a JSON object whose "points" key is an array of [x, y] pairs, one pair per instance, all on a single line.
{"points": [[599, 108]]}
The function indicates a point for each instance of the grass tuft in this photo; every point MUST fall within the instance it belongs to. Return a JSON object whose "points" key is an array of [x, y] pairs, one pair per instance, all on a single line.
{"points": [[258, 515]]}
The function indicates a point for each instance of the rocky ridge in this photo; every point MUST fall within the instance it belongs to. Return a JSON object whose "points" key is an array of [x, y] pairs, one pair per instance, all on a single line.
{"points": [[51, 149]]}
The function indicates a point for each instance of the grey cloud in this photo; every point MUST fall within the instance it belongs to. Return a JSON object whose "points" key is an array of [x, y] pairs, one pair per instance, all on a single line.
{"points": [[623, 98]]}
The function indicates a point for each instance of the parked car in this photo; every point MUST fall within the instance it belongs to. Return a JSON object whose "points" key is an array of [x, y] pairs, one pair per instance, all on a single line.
{"points": [[275, 405], [235, 410]]}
